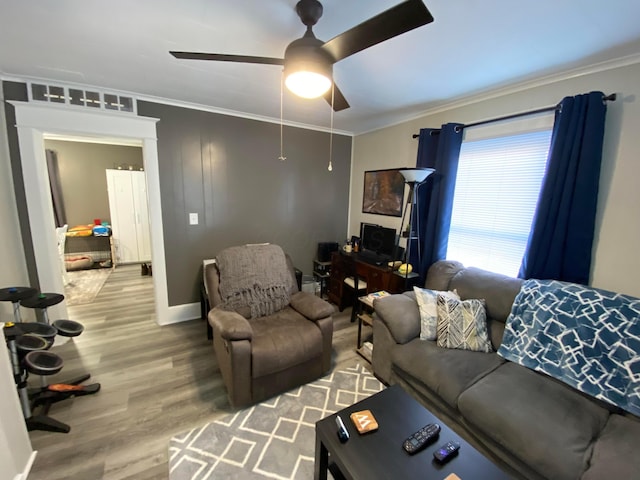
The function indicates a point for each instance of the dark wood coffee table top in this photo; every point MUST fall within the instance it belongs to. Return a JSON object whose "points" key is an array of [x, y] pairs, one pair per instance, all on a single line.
{"points": [[380, 454]]}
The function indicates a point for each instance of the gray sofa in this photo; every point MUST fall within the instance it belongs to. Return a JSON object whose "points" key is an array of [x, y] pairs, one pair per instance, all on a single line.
{"points": [[534, 426]]}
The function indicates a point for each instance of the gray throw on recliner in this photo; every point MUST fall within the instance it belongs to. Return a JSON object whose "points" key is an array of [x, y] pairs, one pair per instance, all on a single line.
{"points": [[254, 276]]}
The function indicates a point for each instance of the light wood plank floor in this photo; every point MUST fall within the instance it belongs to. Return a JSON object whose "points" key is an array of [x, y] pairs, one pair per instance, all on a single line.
{"points": [[156, 382]]}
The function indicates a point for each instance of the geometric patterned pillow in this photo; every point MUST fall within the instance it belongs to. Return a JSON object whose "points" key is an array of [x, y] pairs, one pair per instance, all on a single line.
{"points": [[462, 324], [427, 304]]}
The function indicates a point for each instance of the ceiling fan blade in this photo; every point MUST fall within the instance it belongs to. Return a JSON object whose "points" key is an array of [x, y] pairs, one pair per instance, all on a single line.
{"points": [[390, 23], [227, 58], [339, 102]]}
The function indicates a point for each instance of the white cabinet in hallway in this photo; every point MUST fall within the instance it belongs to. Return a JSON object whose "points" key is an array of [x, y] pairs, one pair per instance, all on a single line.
{"points": [[129, 209]]}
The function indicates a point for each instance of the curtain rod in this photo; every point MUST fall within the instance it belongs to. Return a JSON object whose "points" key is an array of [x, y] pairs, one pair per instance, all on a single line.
{"points": [[607, 98]]}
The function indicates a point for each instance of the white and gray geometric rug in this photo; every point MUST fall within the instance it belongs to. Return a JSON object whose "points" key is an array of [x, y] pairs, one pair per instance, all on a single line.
{"points": [[274, 439]]}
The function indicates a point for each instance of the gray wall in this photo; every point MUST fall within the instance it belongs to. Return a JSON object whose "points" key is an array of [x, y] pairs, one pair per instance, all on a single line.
{"points": [[82, 175], [18, 91], [226, 169]]}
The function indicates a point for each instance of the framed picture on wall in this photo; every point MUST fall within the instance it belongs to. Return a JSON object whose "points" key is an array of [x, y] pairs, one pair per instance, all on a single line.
{"points": [[383, 192]]}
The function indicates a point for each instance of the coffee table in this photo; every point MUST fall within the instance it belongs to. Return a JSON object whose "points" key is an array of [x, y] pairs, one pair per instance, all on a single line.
{"points": [[380, 454]]}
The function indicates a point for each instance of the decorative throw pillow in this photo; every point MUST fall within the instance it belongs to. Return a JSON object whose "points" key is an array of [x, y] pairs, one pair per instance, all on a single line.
{"points": [[462, 324], [427, 303]]}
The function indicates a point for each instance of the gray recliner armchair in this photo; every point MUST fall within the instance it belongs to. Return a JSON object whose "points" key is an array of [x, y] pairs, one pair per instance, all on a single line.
{"points": [[268, 337]]}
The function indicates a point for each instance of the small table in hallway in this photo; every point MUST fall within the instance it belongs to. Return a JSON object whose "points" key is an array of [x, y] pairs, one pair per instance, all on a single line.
{"points": [[380, 454]]}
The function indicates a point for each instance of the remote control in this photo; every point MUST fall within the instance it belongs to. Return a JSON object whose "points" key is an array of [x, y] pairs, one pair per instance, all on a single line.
{"points": [[421, 438], [343, 434], [446, 452]]}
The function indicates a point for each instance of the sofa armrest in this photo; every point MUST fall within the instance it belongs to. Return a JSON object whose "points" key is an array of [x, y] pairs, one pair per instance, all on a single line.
{"points": [[312, 307], [400, 314], [229, 325]]}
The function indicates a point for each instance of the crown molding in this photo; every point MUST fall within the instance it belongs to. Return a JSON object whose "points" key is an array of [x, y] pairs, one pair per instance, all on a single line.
{"points": [[450, 105], [518, 87], [176, 103], [234, 113]]}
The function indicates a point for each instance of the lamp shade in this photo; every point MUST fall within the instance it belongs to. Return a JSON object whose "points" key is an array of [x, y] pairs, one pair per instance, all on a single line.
{"points": [[416, 175]]}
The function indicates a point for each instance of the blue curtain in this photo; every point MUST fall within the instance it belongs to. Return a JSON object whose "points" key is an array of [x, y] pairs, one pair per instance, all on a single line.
{"points": [[561, 237], [438, 149]]}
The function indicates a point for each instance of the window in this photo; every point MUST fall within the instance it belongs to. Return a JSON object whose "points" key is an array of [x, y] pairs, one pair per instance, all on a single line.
{"points": [[83, 98], [497, 189]]}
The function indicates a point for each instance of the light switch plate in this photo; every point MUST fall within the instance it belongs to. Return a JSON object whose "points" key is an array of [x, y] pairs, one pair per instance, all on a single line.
{"points": [[193, 219]]}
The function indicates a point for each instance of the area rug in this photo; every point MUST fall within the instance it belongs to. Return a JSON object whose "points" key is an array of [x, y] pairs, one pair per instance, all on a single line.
{"points": [[84, 285], [274, 439]]}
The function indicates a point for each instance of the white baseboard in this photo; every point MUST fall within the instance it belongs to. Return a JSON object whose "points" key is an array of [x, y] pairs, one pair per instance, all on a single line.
{"points": [[182, 313], [27, 468]]}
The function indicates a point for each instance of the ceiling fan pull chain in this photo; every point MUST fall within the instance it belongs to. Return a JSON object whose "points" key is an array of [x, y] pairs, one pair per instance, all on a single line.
{"points": [[333, 91], [282, 158]]}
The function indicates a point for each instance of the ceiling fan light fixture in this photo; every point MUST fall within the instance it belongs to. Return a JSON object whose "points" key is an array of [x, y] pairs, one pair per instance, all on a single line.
{"points": [[308, 84], [308, 71]]}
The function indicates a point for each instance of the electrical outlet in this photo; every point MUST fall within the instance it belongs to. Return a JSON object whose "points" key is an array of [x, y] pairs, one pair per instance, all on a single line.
{"points": [[193, 219]]}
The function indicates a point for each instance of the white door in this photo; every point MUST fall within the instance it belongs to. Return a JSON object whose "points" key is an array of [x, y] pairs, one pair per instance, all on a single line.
{"points": [[141, 205], [129, 208]]}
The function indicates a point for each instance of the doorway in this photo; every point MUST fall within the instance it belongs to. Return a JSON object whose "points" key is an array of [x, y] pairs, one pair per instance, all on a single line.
{"points": [[95, 241], [33, 122]]}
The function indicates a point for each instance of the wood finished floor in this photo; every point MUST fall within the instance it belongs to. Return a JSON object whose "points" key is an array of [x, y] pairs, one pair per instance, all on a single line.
{"points": [[156, 382]]}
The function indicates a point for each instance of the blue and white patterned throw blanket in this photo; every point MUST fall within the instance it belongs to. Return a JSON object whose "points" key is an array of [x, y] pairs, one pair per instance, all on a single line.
{"points": [[586, 337]]}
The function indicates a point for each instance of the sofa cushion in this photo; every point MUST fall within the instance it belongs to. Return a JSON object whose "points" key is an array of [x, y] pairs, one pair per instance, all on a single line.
{"points": [[400, 314], [445, 372], [546, 424], [614, 454], [282, 340], [498, 290], [440, 274], [428, 306], [496, 332], [462, 324]]}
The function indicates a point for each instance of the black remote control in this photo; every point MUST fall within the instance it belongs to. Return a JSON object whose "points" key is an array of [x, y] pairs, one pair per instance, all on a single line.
{"points": [[421, 438], [343, 434], [446, 452]]}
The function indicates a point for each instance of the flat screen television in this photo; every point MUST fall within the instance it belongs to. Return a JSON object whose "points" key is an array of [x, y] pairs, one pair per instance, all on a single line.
{"points": [[377, 239]]}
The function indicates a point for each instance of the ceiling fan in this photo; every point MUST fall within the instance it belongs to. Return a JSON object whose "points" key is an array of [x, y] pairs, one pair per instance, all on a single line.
{"points": [[308, 61]]}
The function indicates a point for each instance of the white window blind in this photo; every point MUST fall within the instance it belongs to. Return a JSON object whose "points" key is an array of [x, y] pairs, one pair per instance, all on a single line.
{"points": [[497, 189]]}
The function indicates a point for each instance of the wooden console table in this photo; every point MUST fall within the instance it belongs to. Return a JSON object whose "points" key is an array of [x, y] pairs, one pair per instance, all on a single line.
{"points": [[378, 278]]}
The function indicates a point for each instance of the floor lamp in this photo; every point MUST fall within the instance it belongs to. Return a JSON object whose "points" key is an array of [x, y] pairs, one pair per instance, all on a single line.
{"points": [[414, 177]]}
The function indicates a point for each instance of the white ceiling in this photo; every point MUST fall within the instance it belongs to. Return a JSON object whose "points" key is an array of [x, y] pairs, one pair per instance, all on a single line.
{"points": [[473, 46]]}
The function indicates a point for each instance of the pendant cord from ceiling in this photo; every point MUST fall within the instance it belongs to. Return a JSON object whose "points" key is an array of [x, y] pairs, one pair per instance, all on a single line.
{"points": [[282, 158], [606, 98], [333, 92]]}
